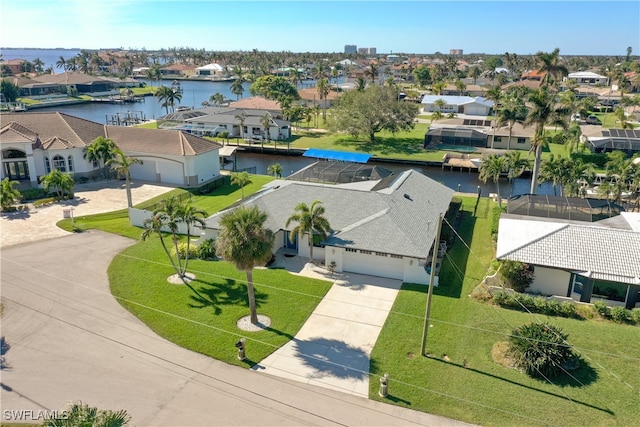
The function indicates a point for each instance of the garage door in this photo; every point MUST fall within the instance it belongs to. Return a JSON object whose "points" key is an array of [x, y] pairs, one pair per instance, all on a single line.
{"points": [[145, 171], [171, 172], [374, 265]]}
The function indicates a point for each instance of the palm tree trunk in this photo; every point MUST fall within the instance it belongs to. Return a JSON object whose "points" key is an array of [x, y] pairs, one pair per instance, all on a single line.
{"points": [[127, 184], [186, 255], [311, 248], [166, 250], [536, 169], [252, 298]]}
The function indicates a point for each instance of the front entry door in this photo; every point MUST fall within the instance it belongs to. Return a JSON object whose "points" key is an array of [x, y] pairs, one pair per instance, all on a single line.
{"points": [[288, 243], [16, 170]]}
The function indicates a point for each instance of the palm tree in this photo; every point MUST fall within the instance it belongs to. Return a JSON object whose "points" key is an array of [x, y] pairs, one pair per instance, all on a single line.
{"points": [[265, 122], [622, 118], [121, 164], [80, 414], [156, 225], [550, 64], [460, 86], [168, 96], [436, 115], [100, 151], [217, 98], [241, 118], [236, 88], [438, 87], [244, 241], [510, 114], [310, 221], [361, 84], [8, 194], [323, 90], [241, 179], [190, 216], [275, 170], [552, 170], [440, 103], [372, 72], [515, 164], [60, 181], [474, 73], [491, 168], [541, 114], [61, 63]]}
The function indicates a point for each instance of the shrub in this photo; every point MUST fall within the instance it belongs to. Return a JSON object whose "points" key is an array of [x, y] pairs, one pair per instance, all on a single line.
{"points": [[635, 315], [540, 304], [44, 202], [501, 298], [568, 309], [495, 219], [552, 308], [182, 251], [33, 193], [601, 308], [517, 274], [619, 314], [206, 249], [540, 349]]}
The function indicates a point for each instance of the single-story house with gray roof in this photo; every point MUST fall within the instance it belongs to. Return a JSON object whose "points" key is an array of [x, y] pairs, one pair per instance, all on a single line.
{"points": [[477, 106], [33, 144], [383, 227], [584, 261]]}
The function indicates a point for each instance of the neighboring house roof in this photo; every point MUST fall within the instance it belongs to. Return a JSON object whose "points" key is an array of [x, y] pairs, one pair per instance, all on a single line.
{"points": [[76, 132], [585, 75], [597, 252], [534, 75], [457, 100], [530, 84], [399, 218], [15, 133], [211, 67], [159, 141], [256, 103], [312, 94]]}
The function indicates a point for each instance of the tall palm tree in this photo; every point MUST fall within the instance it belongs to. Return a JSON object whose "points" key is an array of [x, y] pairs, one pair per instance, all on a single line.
{"points": [[311, 221], [121, 165], [491, 168], [217, 98], [244, 241], [100, 151], [236, 88], [241, 179], [61, 63], [550, 64], [241, 118], [265, 122], [361, 84], [323, 90], [510, 114], [372, 72], [191, 216], [157, 224], [8, 193], [168, 96], [541, 114]]}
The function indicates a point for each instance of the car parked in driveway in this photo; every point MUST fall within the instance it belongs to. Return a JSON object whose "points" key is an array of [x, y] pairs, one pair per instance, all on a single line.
{"points": [[593, 120]]}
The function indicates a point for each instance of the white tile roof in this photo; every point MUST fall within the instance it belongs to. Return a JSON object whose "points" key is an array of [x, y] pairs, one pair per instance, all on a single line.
{"points": [[604, 253]]}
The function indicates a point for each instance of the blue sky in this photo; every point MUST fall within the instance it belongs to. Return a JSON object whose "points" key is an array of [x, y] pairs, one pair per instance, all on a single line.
{"points": [[523, 27]]}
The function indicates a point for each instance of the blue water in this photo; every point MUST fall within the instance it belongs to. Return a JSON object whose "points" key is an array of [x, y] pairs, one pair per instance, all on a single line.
{"points": [[48, 56]]}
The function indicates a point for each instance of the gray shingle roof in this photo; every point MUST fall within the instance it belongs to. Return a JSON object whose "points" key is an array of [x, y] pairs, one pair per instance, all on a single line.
{"points": [[607, 253], [382, 221]]}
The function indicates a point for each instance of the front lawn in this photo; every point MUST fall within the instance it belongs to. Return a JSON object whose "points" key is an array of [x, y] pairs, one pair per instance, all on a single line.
{"points": [[202, 316], [464, 331]]}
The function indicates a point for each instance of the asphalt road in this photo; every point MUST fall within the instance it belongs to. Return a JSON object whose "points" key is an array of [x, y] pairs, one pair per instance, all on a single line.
{"points": [[67, 339]]}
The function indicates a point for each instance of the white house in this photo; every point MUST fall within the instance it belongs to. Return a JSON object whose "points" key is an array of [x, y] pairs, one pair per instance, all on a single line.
{"points": [[584, 261], [32, 144], [587, 78], [381, 227], [213, 70], [477, 106]]}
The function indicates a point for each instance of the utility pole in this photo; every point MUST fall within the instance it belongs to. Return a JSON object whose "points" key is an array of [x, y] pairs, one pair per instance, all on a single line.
{"points": [[434, 260]]}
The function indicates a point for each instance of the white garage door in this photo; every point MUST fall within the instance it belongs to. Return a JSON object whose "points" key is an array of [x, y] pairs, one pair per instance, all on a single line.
{"points": [[171, 172], [374, 265], [145, 171]]}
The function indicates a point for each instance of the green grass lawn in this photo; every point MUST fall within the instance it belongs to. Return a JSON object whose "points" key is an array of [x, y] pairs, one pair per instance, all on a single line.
{"points": [[486, 392], [202, 316], [118, 221]]}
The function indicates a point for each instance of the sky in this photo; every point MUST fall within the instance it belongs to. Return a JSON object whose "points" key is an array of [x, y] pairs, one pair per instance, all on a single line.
{"points": [[522, 27]]}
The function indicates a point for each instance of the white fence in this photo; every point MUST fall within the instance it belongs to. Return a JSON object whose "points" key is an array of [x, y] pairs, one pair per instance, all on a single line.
{"points": [[137, 217]]}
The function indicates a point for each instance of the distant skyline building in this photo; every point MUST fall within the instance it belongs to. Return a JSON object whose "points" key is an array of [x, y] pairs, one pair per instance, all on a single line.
{"points": [[350, 48], [455, 52], [367, 51]]}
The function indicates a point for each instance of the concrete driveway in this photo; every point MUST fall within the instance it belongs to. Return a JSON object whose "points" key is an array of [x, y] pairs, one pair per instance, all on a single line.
{"points": [[91, 198], [67, 339]]}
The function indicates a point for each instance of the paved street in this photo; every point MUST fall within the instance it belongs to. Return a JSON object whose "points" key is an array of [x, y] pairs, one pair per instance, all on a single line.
{"points": [[68, 339]]}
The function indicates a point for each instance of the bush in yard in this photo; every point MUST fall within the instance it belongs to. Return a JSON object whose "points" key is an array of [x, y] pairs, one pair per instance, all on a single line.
{"points": [[182, 251], [601, 308], [540, 349], [206, 249], [635, 315], [619, 314], [517, 275], [552, 308], [568, 309], [501, 298]]}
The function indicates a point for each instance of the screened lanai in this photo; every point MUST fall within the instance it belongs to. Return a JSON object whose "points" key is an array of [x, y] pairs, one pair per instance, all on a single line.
{"points": [[332, 172], [569, 208], [450, 138]]}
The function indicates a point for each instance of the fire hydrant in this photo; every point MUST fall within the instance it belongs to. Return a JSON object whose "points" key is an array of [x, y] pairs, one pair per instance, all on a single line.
{"points": [[384, 385], [240, 347]]}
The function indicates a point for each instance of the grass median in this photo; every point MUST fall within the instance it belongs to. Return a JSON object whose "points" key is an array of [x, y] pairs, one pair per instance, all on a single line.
{"points": [[462, 381]]}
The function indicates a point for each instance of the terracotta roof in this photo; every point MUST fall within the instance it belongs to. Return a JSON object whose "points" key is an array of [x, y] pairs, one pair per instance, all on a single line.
{"points": [[13, 132], [158, 141], [256, 103], [76, 132], [534, 74], [313, 94], [531, 84]]}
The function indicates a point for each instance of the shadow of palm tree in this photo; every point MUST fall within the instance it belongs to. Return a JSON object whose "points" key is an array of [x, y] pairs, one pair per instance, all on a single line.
{"points": [[333, 358], [216, 294]]}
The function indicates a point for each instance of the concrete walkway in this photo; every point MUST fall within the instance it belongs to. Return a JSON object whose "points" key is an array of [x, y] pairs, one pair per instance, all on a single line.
{"points": [[333, 347]]}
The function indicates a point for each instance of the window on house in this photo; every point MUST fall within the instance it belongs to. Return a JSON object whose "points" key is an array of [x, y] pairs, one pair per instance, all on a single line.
{"points": [[381, 254], [365, 252], [497, 139], [70, 163], [396, 256], [59, 163], [522, 140], [47, 165], [350, 250]]}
